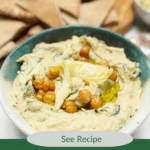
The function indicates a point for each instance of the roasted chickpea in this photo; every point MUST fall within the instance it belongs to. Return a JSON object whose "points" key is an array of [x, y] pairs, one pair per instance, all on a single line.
{"points": [[82, 59], [87, 83], [41, 92], [38, 83], [39, 97], [84, 52], [113, 76], [48, 85], [85, 95], [50, 92], [96, 102], [53, 72], [49, 97], [70, 107], [105, 64]]}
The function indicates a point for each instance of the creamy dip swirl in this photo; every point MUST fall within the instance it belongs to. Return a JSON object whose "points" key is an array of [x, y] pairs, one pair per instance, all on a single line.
{"points": [[117, 108]]}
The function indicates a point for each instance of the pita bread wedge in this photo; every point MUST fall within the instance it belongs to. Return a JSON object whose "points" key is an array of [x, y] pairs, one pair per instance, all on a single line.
{"points": [[93, 13], [35, 29], [70, 20], [47, 11], [125, 11], [8, 8], [9, 29], [6, 49], [112, 18], [70, 6], [21, 39]]}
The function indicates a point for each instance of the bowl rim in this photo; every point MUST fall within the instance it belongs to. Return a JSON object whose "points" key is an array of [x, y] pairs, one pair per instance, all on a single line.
{"points": [[21, 125], [141, 6]]}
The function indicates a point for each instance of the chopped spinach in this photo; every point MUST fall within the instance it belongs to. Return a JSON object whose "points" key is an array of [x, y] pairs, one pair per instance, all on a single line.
{"points": [[100, 94], [39, 59], [67, 56], [33, 78], [102, 110], [27, 93], [116, 109], [52, 49], [73, 92], [26, 83], [41, 120], [131, 73], [29, 102], [36, 110], [58, 54], [30, 71], [96, 111], [27, 109], [51, 109]]}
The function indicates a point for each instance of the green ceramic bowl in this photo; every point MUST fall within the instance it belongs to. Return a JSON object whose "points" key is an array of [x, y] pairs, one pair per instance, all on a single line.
{"points": [[10, 68]]}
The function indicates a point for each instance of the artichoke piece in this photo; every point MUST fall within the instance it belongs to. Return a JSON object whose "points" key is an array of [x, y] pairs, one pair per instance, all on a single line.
{"points": [[87, 71]]}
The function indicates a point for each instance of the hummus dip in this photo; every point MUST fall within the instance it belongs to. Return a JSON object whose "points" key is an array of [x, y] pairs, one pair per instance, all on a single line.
{"points": [[80, 84]]}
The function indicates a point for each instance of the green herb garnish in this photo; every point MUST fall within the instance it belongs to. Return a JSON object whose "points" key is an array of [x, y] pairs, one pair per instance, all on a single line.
{"points": [[116, 109], [27, 93], [73, 92]]}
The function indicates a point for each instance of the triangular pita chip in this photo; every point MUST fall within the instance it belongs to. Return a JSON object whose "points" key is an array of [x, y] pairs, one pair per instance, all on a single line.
{"points": [[21, 39], [9, 29], [126, 16], [93, 13], [6, 49], [35, 29], [112, 18], [47, 11], [70, 6], [10, 9], [70, 20]]}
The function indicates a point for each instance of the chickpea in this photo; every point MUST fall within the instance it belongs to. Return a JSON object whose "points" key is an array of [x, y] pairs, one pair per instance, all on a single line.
{"points": [[41, 92], [39, 97], [53, 72], [82, 59], [87, 83], [113, 76], [48, 85], [70, 107], [84, 52], [85, 95], [105, 64], [96, 102], [49, 97], [50, 92], [38, 83]]}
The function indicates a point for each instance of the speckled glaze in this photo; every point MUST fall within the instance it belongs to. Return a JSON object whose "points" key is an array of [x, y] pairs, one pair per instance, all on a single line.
{"points": [[10, 68]]}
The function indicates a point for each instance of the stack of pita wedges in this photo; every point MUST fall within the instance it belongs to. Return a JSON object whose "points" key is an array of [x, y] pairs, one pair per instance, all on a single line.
{"points": [[20, 19]]}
